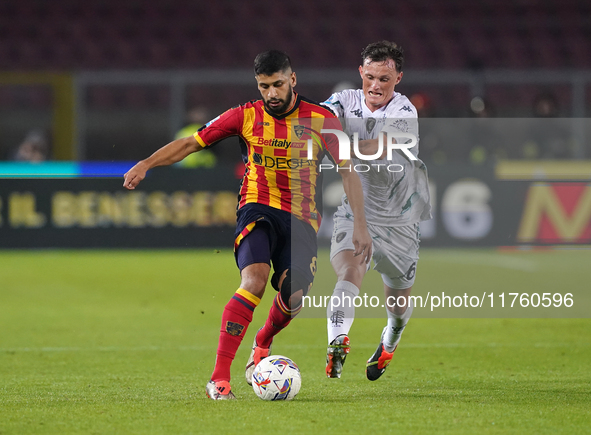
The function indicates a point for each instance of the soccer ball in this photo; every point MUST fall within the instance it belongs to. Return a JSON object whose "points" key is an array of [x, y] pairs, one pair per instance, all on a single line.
{"points": [[276, 378]]}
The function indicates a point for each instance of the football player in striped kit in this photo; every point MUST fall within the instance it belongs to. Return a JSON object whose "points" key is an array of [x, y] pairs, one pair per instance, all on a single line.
{"points": [[277, 217]]}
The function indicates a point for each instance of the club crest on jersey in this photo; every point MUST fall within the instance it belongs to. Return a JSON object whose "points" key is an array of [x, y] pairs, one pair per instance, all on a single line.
{"points": [[234, 329], [370, 124], [299, 130]]}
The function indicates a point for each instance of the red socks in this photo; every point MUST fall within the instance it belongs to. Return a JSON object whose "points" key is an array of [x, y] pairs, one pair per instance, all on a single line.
{"points": [[279, 317], [235, 320]]}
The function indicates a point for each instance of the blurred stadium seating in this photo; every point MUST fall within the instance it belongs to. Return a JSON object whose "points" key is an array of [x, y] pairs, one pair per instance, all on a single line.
{"points": [[456, 35]]}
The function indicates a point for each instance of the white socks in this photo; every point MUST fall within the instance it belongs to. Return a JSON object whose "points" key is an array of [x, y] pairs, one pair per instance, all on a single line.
{"points": [[340, 311], [396, 325], [340, 314]]}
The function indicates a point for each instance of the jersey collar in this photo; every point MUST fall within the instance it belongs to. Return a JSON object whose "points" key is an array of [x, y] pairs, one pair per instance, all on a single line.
{"points": [[382, 109]]}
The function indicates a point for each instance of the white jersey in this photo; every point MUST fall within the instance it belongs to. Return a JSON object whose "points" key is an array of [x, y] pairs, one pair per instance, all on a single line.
{"points": [[391, 198]]}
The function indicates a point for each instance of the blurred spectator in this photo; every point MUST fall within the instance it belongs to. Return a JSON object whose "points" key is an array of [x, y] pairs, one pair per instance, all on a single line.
{"points": [[196, 118], [34, 148], [481, 108], [423, 104], [341, 86], [545, 106], [548, 138], [430, 140], [485, 143]]}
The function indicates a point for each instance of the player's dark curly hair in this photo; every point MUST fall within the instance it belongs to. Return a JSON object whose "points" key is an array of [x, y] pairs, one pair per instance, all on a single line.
{"points": [[270, 62], [382, 51]]}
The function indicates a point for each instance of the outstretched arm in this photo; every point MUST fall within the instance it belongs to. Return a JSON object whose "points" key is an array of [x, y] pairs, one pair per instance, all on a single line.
{"points": [[171, 153], [354, 191]]}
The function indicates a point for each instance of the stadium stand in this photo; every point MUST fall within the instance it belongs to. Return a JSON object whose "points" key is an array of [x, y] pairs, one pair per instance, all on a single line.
{"points": [[456, 35], [67, 34]]}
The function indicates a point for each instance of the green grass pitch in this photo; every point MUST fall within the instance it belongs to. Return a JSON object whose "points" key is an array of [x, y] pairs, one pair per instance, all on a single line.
{"points": [[123, 342]]}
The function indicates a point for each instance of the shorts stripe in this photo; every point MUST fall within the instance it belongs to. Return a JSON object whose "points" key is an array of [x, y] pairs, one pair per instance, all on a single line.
{"points": [[245, 232]]}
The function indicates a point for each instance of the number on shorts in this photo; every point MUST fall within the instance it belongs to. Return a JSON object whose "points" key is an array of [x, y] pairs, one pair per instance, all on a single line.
{"points": [[313, 266], [411, 271]]}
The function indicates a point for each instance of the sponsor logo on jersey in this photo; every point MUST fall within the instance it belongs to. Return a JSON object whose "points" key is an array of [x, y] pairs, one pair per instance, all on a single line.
{"points": [[298, 145], [265, 123], [401, 125], [212, 121], [406, 108], [357, 112], [282, 163], [277, 143]]}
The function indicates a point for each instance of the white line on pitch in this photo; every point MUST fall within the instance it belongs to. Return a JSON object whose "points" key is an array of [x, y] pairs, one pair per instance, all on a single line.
{"points": [[284, 346]]}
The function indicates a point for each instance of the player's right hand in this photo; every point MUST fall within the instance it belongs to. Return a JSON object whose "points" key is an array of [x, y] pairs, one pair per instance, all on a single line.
{"points": [[362, 242], [133, 177]]}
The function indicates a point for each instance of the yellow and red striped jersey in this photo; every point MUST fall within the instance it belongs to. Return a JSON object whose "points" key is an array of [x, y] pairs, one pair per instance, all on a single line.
{"points": [[275, 151]]}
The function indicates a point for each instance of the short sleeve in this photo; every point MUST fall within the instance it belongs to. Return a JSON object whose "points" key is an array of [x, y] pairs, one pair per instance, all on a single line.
{"points": [[227, 124], [335, 104]]}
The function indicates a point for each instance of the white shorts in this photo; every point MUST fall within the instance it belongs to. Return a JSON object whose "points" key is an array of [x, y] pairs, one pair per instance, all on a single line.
{"points": [[395, 249]]}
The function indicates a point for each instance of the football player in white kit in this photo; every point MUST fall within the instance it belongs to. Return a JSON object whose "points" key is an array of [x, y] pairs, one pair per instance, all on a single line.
{"points": [[396, 199]]}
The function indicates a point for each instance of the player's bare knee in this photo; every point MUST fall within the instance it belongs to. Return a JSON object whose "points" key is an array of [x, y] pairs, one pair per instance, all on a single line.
{"points": [[254, 279], [398, 299], [352, 273], [254, 286], [397, 309]]}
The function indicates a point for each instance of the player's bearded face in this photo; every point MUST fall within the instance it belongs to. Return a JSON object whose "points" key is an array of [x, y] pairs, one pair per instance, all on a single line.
{"points": [[277, 105], [379, 79], [277, 91]]}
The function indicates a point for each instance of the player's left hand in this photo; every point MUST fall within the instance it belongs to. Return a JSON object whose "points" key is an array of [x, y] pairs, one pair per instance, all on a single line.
{"points": [[362, 243], [134, 176]]}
